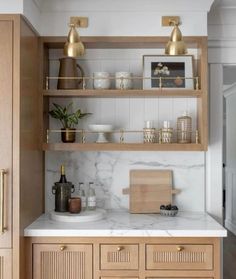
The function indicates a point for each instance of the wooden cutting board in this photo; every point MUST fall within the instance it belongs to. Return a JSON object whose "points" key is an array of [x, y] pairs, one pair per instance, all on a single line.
{"points": [[149, 189]]}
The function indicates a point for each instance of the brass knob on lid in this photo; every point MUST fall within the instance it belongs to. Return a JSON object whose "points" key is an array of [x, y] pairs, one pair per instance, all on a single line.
{"points": [[62, 248], [180, 248], [119, 248]]}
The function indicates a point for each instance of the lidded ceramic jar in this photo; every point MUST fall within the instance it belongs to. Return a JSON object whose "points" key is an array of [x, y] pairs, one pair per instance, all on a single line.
{"points": [[101, 80]]}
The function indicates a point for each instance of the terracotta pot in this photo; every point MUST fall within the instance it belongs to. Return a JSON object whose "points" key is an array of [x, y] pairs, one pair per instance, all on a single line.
{"points": [[68, 135]]}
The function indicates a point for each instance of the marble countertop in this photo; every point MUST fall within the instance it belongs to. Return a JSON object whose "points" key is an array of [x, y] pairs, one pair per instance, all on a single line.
{"points": [[122, 223]]}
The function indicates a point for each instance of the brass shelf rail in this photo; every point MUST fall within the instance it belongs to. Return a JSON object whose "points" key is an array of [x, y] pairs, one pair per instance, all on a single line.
{"points": [[122, 134], [122, 79]]}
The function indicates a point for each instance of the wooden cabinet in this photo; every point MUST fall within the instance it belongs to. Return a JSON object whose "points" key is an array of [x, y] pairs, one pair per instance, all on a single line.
{"points": [[124, 258], [5, 263], [119, 256], [62, 261], [51, 53], [181, 256], [117, 277], [6, 98], [21, 159]]}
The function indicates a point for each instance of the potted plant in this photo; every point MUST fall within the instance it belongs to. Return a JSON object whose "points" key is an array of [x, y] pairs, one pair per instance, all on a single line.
{"points": [[68, 120]]}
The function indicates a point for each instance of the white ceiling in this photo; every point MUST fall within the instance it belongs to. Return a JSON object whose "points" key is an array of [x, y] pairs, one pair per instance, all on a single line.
{"points": [[217, 3]]}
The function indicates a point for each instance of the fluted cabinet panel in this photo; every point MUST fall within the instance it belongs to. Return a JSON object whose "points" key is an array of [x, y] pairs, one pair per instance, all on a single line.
{"points": [[5, 264], [119, 256], [199, 257], [62, 262]]}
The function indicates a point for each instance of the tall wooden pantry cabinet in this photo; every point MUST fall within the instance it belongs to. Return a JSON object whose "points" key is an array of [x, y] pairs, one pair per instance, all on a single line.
{"points": [[21, 167]]}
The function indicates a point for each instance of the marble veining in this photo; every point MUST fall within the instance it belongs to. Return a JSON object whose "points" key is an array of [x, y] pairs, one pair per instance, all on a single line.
{"points": [[110, 173], [121, 223]]}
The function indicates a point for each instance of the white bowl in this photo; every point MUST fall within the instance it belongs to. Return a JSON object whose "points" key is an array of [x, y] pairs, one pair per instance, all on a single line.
{"points": [[100, 128]]}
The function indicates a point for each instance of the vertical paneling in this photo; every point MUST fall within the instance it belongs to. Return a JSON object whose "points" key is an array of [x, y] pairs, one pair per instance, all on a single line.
{"points": [[165, 111], [6, 119], [198, 257], [75, 262], [119, 257], [151, 110], [214, 193], [67, 265], [1, 267], [5, 264], [230, 95], [192, 111], [230, 218], [136, 116]]}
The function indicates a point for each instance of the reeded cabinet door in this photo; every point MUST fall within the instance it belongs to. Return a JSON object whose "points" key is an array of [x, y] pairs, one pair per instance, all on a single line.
{"points": [[53, 261], [5, 264], [6, 94]]}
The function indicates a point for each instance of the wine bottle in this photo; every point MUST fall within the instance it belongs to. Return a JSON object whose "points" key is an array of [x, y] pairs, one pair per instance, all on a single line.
{"points": [[63, 176]]}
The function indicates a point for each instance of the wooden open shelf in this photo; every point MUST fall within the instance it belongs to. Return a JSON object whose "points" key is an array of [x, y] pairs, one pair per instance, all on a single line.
{"points": [[122, 41], [199, 43], [121, 147], [111, 93]]}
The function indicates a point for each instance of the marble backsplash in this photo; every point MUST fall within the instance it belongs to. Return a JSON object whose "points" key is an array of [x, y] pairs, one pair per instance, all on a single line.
{"points": [[110, 173]]}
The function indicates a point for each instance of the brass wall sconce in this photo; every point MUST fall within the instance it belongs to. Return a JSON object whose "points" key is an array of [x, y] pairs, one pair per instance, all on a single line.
{"points": [[176, 45], [74, 46]]}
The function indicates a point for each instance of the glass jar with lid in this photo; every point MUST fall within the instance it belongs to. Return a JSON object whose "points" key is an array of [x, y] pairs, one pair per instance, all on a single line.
{"points": [[184, 128]]}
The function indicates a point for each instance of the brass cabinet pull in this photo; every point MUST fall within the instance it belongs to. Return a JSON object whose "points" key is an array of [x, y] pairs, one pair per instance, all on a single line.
{"points": [[120, 248], [180, 248], [62, 248], [2, 201]]}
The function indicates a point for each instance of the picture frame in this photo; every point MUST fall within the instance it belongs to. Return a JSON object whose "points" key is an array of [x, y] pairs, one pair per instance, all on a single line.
{"points": [[176, 71]]}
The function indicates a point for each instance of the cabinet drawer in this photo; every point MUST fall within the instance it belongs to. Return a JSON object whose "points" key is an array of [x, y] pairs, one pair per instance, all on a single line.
{"points": [[179, 257], [125, 277], [53, 261], [119, 256]]}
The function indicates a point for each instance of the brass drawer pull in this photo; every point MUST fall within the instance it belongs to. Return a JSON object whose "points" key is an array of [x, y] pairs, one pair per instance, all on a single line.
{"points": [[62, 248], [120, 248], [2, 193], [180, 248]]}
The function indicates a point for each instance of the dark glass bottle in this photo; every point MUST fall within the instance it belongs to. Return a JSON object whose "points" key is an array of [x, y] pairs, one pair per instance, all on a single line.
{"points": [[63, 176]]}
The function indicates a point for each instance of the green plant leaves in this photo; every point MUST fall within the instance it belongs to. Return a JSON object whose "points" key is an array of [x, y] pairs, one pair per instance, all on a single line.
{"points": [[67, 119]]}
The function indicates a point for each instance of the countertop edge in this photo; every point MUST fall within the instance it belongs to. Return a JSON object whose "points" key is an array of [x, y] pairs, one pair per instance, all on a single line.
{"points": [[122, 224], [131, 233]]}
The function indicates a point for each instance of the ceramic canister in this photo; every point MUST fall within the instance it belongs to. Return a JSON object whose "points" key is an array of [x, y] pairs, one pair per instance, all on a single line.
{"points": [[74, 205], [101, 80], [123, 80]]}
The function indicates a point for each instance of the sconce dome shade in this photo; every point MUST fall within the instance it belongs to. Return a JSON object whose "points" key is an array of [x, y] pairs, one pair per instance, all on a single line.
{"points": [[176, 45], [73, 47]]}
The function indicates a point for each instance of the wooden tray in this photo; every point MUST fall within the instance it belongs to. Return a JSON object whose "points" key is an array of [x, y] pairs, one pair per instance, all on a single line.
{"points": [[149, 189]]}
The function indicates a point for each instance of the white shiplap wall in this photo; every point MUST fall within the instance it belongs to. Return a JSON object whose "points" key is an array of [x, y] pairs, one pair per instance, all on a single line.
{"points": [[126, 113]]}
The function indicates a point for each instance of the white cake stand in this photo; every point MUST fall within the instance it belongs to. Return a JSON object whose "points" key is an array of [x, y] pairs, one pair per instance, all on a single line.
{"points": [[101, 130]]}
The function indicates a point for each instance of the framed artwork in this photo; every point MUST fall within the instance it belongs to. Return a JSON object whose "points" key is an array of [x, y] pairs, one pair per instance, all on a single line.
{"points": [[172, 68]]}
